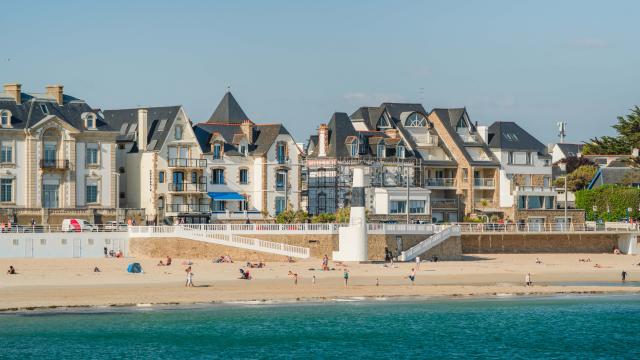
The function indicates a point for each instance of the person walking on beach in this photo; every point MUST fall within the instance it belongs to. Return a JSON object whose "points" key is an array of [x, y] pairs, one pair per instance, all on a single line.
{"points": [[295, 277], [412, 276], [624, 276], [527, 279], [189, 282], [345, 275], [325, 263], [417, 262]]}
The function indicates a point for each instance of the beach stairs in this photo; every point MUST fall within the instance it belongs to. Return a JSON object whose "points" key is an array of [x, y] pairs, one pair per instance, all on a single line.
{"points": [[270, 247], [430, 242]]}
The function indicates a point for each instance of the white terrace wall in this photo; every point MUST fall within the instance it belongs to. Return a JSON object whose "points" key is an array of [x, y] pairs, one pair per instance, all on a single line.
{"points": [[61, 245]]}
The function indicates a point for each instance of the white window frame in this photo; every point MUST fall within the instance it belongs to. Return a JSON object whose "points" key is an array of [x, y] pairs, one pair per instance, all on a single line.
{"points": [[5, 115], [92, 146], [12, 146], [178, 130]]}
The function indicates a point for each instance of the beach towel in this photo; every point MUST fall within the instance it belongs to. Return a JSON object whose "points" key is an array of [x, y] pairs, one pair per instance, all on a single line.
{"points": [[134, 268]]}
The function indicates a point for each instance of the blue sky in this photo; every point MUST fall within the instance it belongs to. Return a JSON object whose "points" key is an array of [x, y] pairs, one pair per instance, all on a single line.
{"points": [[297, 62]]}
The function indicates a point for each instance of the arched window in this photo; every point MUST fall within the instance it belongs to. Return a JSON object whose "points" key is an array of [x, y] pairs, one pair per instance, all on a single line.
{"points": [[5, 118], [416, 120], [90, 121]]}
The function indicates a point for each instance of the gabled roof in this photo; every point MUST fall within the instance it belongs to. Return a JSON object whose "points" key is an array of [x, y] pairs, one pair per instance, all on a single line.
{"points": [[508, 135], [450, 119], [228, 111], [126, 121]]}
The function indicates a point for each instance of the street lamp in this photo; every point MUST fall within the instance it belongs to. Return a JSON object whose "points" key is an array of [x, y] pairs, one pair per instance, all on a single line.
{"points": [[117, 174]]}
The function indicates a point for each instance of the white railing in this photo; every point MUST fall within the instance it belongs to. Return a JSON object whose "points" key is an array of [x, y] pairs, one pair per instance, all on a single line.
{"points": [[546, 227], [434, 240], [213, 234], [530, 188], [486, 182]]}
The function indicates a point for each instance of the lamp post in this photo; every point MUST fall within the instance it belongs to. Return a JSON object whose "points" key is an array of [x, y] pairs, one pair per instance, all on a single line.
{"points": [[117, 174]]}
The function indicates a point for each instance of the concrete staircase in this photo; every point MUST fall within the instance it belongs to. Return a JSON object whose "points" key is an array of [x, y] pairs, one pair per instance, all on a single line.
{"points": [[430, 242]]}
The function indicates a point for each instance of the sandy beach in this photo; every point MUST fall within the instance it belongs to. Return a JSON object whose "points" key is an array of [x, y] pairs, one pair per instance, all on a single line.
{"points": [[72, 282]]}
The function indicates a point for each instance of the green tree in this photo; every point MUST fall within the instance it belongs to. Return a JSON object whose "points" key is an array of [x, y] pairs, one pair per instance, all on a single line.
{"points": [[323, 218], [343, 215], [578, 179], [628, 128]]}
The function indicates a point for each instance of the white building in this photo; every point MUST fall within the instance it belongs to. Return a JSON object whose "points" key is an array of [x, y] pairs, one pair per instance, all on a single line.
{"points": [[254, 169], [563, 150], [56, 152], [160, 163]]}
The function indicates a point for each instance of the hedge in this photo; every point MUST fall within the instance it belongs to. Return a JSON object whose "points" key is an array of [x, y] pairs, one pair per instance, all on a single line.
{"points": [[617, 198]]}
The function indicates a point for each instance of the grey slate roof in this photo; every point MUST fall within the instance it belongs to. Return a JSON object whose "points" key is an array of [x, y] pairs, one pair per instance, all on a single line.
{"points": [[126, 122], [570, 149], [30, 112], [508, 135], [450, 118], [228, 111], [264, 136], [612, 175]]}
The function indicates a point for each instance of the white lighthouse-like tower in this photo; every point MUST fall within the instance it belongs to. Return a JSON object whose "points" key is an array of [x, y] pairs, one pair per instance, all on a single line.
{"points": [[353, 243]]}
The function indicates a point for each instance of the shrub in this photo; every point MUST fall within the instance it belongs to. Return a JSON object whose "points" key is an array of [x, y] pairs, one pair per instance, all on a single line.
{"points": [[617, 199]]}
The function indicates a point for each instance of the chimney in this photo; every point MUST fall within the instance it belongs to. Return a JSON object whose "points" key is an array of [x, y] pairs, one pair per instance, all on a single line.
{"points": [[392, 133], [247, 129], [483, 131], [142, 129], [15, 90], [323, 140], [56, 92]]}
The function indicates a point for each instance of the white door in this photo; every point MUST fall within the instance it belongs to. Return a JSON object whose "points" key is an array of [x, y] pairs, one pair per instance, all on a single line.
{"points": [[28, 248], [77, 248]]}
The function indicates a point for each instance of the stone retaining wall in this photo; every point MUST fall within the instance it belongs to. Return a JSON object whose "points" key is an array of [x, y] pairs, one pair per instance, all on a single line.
{"points": [[538, 243]]}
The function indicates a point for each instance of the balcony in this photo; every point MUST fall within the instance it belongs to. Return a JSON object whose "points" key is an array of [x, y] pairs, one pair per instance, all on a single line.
{"points": [[484, 182], [440, 182], [444, 203], [188, 187], [535, 190], [425, 139], [187, 163], [54, 164], [236, 215], [281, 159], [188, 208], [470, 138]]}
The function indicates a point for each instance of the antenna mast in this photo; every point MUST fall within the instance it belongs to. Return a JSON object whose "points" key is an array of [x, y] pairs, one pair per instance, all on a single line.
{"points": [[562, 130]]}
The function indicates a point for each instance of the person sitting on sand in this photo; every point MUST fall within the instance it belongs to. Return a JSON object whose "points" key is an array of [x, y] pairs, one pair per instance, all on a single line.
{"points": [[168, 261], [295, 277], [160, 263], [290, 259], [597, 266], [11, 271], [538, 261], [244, 274], [96, 269]]}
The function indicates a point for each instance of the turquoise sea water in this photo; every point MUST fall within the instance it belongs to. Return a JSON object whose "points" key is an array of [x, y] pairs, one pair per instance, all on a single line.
{"points": [[558, 327]]}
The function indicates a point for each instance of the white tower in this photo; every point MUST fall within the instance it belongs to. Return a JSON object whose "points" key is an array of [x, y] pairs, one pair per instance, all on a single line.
{"points": [[353, 243]]}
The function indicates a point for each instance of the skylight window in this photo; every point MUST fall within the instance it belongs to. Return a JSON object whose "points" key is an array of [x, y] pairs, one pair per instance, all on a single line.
{"points": [[163, 123], [44, 109]]}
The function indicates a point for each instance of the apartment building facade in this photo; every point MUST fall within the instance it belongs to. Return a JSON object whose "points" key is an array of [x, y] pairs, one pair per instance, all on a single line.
{"points": [[254, 169], [161, 167], [57, 152]]}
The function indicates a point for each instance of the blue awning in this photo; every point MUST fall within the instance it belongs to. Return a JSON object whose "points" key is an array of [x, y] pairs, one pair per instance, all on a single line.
{"points": [[226, 196]]}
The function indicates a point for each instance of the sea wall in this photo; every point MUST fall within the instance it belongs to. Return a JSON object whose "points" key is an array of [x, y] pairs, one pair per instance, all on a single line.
{"points": [[61, 245], [538, 243]]}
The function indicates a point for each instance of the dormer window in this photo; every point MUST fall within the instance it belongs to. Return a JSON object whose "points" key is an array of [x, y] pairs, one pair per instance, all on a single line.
{"points": [[416, 120], [217, 151], [383, 122], [400, 152], [44, 109], [243, 150], [178, 133], [5, 118], [353, 149], [381, 151], [91, 121], [281, 153]]}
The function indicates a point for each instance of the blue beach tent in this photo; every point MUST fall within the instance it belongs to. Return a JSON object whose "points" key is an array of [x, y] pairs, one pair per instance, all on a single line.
{"points": [[134, 268]]}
